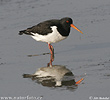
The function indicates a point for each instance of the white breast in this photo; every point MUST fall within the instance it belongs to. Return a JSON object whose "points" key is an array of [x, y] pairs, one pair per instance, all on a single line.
{"points": [[53, 37]]}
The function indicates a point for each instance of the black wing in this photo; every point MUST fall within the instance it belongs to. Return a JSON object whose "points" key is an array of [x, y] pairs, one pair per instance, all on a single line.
{"points": [[42, 28]]}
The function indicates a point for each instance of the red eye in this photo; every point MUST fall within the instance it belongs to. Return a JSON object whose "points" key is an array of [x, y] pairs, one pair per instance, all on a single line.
{"points": [[67, 21]]}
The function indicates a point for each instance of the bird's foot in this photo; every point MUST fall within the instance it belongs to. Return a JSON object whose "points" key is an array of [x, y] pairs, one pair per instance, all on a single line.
{"points": [[49, 65]]}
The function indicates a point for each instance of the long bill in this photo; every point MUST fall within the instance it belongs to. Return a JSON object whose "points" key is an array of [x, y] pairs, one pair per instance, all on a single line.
{"points": [[76, 28]]}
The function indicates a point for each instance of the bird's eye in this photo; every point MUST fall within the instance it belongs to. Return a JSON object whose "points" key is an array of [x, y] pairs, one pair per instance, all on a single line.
{"points": [[67, 21]]}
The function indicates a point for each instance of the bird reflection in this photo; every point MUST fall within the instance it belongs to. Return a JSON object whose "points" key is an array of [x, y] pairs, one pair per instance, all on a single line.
{"points": [[55, 76]]}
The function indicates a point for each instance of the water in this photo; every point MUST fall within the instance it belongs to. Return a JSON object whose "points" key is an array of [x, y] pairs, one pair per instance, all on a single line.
{"points": [[88, 53]]}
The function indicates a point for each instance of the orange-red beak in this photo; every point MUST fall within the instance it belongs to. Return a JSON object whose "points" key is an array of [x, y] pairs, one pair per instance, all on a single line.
{"points": [[76, 28], [78, 82]]}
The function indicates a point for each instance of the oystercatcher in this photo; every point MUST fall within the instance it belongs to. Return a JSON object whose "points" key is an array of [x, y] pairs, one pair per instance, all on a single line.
{"points": [[51, 31]]}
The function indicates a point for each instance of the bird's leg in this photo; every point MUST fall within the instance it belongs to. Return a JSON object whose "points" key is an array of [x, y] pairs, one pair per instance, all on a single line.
{"points": [[52, 54]]}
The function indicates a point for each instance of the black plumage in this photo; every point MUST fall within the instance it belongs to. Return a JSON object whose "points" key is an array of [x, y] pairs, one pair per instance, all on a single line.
{"points": [[44, 28]]}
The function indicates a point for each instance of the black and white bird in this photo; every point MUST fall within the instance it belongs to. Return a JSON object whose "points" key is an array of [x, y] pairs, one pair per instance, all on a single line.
{"points": [[51, 31]]}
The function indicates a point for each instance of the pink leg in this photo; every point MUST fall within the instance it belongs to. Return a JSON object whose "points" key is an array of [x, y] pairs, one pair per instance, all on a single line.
{"points": [[52, 53]]}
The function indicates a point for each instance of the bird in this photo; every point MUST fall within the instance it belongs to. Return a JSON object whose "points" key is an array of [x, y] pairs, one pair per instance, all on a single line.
{"points": [[51, 31]]}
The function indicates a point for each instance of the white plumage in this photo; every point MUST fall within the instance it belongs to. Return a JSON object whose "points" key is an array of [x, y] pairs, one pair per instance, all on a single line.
{"points": [[50, 37]]}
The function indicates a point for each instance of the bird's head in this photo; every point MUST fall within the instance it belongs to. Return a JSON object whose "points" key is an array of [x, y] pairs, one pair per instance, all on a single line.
{"points": [[68, 22]]}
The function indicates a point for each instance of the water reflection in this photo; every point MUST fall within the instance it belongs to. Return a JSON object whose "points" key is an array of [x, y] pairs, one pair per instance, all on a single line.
{"points": [[55, 76]]}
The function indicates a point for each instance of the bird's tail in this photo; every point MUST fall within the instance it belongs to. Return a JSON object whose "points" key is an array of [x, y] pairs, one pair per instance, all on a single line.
{"points": [[27, 32], [22, 32]]}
